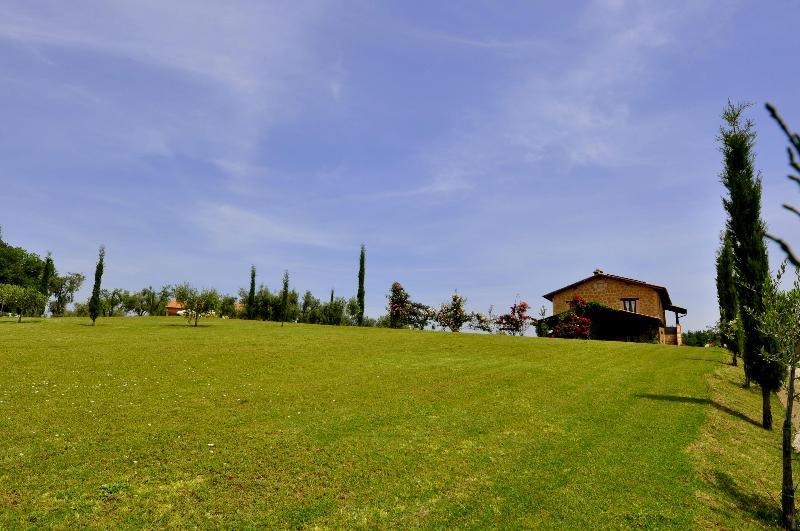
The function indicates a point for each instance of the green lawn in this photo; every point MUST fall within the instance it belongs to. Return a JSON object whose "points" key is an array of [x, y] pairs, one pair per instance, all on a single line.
{"points": [[148, 422]]}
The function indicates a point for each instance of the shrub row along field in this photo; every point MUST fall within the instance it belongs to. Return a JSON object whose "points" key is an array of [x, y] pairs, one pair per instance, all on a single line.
{"points": [[149, 422]]}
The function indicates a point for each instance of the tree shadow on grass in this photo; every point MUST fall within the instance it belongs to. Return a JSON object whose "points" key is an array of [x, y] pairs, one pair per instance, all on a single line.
{"points": [[184, 325], [760, 507], [24, 321], [694, 400]]}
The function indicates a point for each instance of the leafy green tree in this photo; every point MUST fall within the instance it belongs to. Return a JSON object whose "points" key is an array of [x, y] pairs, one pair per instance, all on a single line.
{"points": [[196, 303], [26, 301], [155, 302], [20, 267], [743, 205], [94, 301], [250, 303], [227, 306], [728, 299], [360, 294], [353, 312], [310, 309], [263, 303], [284, 308], [9, 296], [111, 301], [334, 311], [779, 320], [64, 289]]}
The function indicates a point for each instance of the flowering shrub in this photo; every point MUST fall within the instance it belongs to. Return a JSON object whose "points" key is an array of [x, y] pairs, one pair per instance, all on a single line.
{"points": [[575, 324], [484, 323], [572, 326], [399, 306], [453, 315], [516, 321]]}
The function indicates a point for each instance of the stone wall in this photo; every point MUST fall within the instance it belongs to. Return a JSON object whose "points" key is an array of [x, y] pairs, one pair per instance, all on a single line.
{"points": [[610, 291]]}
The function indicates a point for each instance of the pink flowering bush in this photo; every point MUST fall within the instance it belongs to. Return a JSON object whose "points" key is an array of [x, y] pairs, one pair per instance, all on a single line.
{"points": [[517, 321]]}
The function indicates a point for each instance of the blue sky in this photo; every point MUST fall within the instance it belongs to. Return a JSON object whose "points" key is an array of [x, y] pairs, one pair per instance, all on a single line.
{"points": [[500, 150]]}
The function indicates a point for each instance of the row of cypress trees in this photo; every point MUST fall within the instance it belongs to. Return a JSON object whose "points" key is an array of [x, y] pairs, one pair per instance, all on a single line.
{"points": [[742, 261], [250, 302]]}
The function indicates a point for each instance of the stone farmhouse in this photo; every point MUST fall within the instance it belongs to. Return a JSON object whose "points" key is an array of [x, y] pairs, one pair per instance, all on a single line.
{"points": [[638, 309]]}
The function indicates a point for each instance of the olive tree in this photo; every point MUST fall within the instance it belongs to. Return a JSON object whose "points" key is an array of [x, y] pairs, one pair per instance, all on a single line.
{"points": [[64, 288], [780, 321], [196, 303]]}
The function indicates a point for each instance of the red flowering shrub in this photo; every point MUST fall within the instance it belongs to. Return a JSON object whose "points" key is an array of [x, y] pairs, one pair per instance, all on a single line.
{"points": [[516, 321], [574, 324]]}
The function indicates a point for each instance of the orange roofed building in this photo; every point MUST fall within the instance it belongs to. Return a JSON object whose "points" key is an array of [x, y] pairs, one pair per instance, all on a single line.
{"points": [[173, 307], [639, 308]]}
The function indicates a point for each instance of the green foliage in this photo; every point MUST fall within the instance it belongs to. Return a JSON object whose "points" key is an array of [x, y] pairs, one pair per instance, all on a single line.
{"points": [[22, 300], [227, 306], [197, 303], [64, 289], [94, 301], [20, 267], [746, 228], [112, 301], [780, 318], [728, 299], [353, 312], [361, 293], [399, 306], [453, 315], [48, 271], [250, 303], [311, 309], [701, 338], [284, 302]]}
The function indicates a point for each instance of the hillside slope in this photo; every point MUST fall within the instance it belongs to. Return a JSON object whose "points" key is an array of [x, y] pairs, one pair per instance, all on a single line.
{"points": [[144, 421]]}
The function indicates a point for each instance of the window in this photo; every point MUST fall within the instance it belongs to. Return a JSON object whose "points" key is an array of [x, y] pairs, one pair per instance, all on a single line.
{"points": [[629, 305]]}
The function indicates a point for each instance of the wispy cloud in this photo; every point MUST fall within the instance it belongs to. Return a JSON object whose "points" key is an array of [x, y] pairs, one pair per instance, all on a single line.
{"points": [[233, 226]]}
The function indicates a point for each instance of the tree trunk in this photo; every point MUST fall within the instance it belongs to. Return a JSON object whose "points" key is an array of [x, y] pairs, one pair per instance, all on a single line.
{"points": [[20, 316], [787, 488], [196, 317], [766, 409], [735, 360]]}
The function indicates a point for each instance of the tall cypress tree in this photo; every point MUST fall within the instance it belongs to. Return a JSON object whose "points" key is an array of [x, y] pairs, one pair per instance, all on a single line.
{"points": [[285, 296], [743, 205], [360, 294], [94, 302], [728, 299], [250, 308], [47, 274]]}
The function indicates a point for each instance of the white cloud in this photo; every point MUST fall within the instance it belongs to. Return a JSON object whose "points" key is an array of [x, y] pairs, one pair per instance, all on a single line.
{"points": [[233, 226]]}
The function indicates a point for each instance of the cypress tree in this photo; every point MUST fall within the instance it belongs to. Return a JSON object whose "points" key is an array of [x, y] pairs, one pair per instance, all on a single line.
{"points": [[743, 205], [360, 294], [250, 309], [285, 296], [94, 302], [47, 274], [728, 299]]}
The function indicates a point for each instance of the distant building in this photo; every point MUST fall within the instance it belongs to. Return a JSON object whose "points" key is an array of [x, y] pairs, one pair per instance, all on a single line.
{"points": [[638, 308], [173, 307]]}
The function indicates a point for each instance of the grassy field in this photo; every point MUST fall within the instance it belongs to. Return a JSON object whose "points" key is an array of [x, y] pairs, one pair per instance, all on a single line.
{"points": [[148, 422]]}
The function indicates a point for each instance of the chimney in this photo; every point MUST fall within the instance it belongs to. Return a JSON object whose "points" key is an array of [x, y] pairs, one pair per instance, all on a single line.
{"points": [[598, 271]]}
